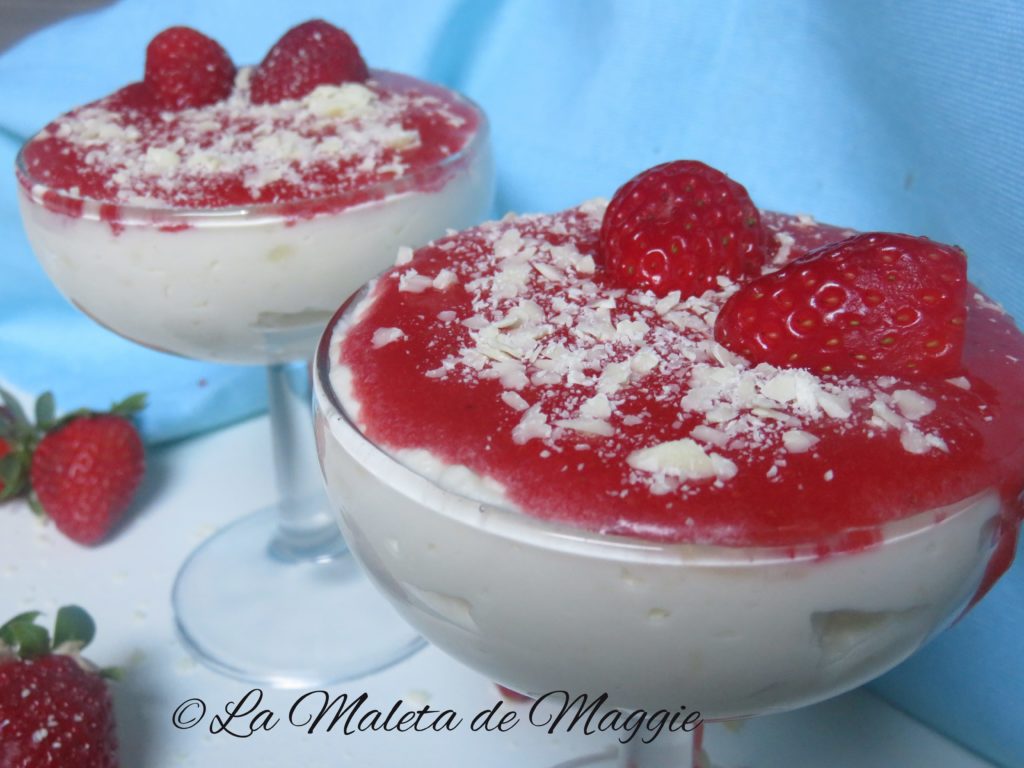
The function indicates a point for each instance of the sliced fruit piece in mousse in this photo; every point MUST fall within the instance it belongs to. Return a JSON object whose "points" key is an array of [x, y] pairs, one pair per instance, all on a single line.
{"points": [[676, 449], [208, 208]]}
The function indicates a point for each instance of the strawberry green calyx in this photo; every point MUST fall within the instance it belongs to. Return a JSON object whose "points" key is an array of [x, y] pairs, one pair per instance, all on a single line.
{"points": [[73, 626], [21, 637], [24, 639], [129, 407], [73, 629]]}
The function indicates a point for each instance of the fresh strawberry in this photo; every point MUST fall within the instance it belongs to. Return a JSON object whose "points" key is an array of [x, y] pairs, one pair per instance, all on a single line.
{"points": [[85, 473], [185, 68], [311, 54], [678, 226], [81, 469], [876, 303], [55, 708]]}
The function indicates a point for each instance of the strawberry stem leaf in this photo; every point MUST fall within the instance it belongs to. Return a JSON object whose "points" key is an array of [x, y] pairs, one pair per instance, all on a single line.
{"points": [[30, 639], [12, 475], [130, 405], [14, 408], [112, 673], [7, 631], [7, 426], [46, 410], [73, 624], [35, 506]]}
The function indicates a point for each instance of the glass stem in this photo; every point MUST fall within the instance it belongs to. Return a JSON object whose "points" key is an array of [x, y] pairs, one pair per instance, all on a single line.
{"points": [[629, 755], [637, 754], [306, 528], [697, 759]]}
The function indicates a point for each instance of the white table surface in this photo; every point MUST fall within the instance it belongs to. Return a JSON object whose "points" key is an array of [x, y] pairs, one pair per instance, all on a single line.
{"points": [[194, 487]]}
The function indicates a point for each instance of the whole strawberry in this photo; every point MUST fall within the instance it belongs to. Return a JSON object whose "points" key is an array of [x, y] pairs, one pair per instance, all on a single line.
{"points": [[185, 68], [679, 226], [55, 708], [876, 303], [311, 54], [81, 470]]}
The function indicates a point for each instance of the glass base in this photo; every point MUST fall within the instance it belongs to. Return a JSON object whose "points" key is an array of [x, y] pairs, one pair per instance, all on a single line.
{"points": [[247, 608], [673, 751]]}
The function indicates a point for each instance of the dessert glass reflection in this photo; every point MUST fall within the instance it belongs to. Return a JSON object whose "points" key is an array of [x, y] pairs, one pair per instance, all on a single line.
{"points": [[516, 551], [229, 232]]}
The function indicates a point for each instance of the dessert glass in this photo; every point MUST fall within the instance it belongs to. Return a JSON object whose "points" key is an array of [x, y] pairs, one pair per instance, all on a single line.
{"points": [[733, 632], [274, 597]]}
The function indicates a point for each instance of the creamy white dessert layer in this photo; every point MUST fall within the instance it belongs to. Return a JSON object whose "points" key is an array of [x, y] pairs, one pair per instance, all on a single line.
{"points": [[729, 631], [247, 288]]}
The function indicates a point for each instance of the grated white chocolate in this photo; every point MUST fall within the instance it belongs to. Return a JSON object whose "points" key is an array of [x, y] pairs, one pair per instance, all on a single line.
{"points": [[357, 130], [572, 354]]}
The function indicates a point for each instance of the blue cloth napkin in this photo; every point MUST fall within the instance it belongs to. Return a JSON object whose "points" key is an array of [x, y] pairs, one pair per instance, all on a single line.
{"points": [[881, 115]]}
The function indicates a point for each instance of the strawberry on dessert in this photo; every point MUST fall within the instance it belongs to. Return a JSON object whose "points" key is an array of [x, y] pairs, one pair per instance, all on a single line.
{"points": [[679, 226], [675, 448], [876, 303], [55, 707], [221, 212], [185, 68], [312, 54]]}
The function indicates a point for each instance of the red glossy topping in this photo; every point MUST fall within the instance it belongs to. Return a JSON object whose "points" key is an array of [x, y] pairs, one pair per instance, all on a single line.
{"points": [[876, 303], [615, 411], [677, 227], [339, 146], [311, 54]]}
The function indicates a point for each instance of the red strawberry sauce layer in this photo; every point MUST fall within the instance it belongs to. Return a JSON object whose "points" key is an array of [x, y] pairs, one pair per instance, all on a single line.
{"points": [[391, 134], [520, 363]]}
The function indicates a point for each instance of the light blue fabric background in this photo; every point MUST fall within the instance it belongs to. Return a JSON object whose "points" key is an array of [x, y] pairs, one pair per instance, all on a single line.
{"points": [[878, 115]]}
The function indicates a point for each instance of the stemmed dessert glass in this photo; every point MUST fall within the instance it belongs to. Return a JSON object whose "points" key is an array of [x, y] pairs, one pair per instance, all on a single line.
{"points": [[274, 597], [732, 632]]}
